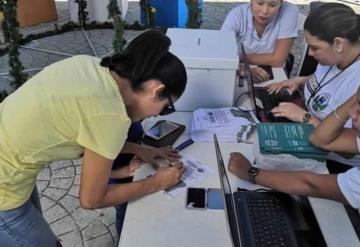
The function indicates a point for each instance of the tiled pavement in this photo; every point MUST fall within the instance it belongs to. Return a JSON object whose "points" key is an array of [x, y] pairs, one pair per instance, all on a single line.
{"points": [[58, 183]]}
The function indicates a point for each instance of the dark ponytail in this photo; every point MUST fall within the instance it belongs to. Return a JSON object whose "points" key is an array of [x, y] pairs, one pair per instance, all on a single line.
{"points": [[331, 20], [147, 57]]}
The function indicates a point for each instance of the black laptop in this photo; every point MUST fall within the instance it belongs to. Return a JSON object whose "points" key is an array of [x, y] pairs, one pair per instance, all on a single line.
{"points": [[262, 101], [267, 219]]}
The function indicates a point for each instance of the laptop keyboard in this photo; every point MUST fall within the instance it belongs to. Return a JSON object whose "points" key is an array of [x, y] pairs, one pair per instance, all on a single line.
{"points": [[268, 221], [270, 101]]}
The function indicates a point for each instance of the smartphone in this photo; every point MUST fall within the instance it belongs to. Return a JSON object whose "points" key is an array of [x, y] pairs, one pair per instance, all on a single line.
{"points": [[268, 70], [161, 129], [195, 198], [215, 199]]}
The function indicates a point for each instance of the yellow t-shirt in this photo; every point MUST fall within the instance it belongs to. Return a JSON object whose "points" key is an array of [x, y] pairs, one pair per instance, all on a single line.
{"points": [[71, 104]]}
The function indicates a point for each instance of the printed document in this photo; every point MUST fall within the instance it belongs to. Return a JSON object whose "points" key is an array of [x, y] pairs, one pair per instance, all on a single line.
{"points": [[195, 172], [229, 124]]}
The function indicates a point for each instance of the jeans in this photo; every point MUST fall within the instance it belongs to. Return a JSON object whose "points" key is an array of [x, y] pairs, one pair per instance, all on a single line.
{"points": [[135, 135], [25, 226]]}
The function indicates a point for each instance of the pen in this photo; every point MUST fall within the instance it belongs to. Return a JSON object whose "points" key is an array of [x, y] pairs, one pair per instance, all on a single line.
{"points": [[184, 144]]}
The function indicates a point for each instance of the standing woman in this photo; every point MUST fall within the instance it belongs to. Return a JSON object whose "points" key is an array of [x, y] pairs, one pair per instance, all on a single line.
{"points": [[267, 29], [332, 32], [83, 105]]}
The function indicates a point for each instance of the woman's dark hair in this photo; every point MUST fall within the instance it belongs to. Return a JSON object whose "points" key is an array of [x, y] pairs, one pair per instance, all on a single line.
{"points": [[147, 57], [331, 20]]}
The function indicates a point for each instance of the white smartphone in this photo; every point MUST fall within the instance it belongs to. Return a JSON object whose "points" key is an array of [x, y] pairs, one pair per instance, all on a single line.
{"points": [[161, 129]]}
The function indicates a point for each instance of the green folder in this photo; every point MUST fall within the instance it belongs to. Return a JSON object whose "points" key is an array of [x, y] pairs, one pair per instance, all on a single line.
{"points": [[288, 138]]}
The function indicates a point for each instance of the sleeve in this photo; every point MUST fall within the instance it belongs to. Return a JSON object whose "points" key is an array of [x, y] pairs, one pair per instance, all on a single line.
{"points": [[349, 184], [104, 134], [289, 22], [234, 21]]}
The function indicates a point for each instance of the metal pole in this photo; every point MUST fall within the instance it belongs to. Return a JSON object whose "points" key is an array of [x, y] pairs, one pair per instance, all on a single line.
{"points": [[47, 51], [25, 70], [88, 40]]}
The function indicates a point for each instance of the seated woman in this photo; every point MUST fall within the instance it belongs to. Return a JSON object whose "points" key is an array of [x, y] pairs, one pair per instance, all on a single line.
{"points": [[332, 32], [83, 105], [330, 135], [267, 29]]}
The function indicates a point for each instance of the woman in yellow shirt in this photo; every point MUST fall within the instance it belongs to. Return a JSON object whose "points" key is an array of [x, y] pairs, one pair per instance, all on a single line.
{"points": [[83, 106]]}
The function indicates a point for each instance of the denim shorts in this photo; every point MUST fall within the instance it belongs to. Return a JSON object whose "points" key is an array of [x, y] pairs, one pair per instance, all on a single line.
{"points": [[25, 226]]}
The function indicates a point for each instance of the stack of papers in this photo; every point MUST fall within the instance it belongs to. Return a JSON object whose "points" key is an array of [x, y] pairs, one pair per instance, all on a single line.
{"points": [[229, 124]]}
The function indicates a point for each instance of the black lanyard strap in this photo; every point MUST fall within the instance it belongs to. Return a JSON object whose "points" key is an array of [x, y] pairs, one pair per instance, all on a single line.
{"points": [[319, 87]]}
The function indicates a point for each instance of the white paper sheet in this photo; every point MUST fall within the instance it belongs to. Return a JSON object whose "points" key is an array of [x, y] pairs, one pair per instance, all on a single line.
{"points": [[195, 172]]}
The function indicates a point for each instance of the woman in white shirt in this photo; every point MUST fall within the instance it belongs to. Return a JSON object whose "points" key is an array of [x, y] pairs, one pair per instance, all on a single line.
{"points": [[330, 135], [267, 29], [332, 32]]}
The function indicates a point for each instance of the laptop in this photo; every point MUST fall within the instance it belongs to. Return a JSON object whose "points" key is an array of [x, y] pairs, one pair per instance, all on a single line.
{"points": [[267, 218], [262, 101]]}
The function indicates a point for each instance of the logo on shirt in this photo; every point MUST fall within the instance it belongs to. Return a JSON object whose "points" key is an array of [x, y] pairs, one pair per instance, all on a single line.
{"points": [[312, 85], [320, 102]]}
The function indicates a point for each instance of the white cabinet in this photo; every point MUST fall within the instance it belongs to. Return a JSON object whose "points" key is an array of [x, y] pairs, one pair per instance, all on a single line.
{"points": [[210, 58]]}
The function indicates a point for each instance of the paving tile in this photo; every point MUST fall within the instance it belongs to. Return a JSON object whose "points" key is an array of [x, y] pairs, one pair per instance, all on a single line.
{"points": [[84, 217], [63, 225], [107, 215], [42, 185], [63, 183], [71, 203], [102, 241], [94, 230], [54, 194], [72, 239], [61, 164], [44, 174], [54, 213], [74, 191], [46, 203], [66, 172]]}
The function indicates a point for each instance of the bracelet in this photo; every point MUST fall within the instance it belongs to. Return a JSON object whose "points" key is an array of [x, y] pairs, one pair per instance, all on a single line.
{"points": [[338, 117]]}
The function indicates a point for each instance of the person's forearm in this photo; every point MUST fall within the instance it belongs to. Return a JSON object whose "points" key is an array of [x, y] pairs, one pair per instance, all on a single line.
{"points": [[302, 80], [314, 121], [332, 126], [116, 194], [121, 172], [269, 59], [131, 148], [301, 183]]}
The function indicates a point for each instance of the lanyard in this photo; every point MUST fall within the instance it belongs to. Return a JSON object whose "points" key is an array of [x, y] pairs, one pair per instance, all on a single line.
{"points": [[319, 87]]}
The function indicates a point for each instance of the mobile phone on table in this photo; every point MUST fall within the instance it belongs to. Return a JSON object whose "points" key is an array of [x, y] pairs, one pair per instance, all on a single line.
{"points": [[268, 70], [195, 198], [161, 129]]}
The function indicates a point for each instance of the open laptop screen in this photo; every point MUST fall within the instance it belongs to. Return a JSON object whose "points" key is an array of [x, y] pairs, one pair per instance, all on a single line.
{"points": [[248, 77], [228, 198]]}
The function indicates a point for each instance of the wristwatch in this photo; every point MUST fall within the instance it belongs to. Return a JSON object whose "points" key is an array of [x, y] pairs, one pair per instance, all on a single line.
{"points": [[307, 116], [253, 172]]}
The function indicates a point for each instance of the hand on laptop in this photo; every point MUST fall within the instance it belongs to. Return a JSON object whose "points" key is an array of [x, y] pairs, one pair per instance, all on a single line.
{"points": [[259, 74], [290, 111], [239, 165], [291, 85]]}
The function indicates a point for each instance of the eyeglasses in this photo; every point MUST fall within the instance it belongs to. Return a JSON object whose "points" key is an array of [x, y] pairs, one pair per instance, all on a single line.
{"points": [[168, 109]]}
